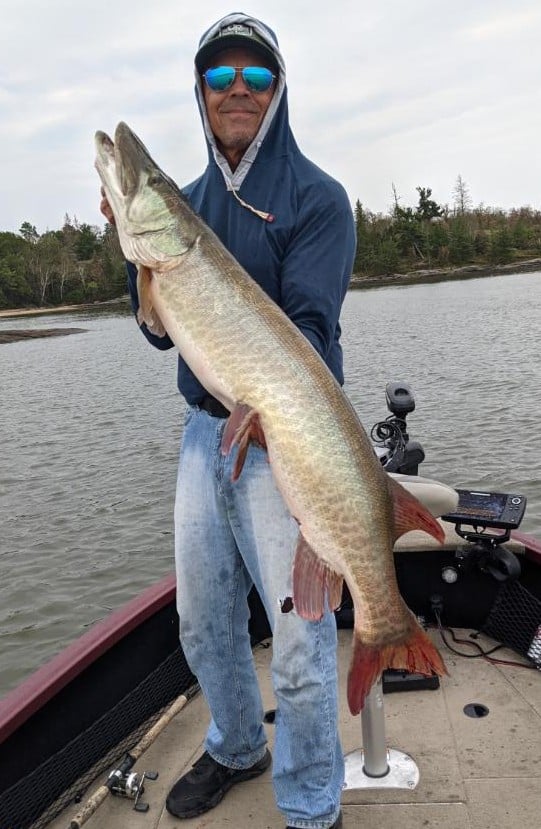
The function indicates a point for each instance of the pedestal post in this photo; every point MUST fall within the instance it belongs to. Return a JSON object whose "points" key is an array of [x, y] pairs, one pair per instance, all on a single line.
{"points": [[376, 766]]}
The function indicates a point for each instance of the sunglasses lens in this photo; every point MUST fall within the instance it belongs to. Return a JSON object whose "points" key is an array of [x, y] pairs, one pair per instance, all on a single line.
{"points": [[220, 78], [257, 78]]}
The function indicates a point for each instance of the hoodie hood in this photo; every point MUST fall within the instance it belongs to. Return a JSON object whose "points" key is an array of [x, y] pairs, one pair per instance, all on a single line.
{"points": [[302, 253], [235, 29]]}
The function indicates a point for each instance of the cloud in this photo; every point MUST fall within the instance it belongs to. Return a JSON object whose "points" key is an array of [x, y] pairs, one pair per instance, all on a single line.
{"points": [[379, 93], [505, 26]]}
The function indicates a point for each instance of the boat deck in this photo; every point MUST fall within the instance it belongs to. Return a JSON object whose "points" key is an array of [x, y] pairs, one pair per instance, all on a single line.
{"points": [[474, 773]]}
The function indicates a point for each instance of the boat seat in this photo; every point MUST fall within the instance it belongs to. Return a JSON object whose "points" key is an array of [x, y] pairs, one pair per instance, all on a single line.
{"points": [[439, 499]]}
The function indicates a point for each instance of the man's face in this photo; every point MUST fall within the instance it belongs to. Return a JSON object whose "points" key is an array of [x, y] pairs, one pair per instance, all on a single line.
{"points": [[236, 114]]}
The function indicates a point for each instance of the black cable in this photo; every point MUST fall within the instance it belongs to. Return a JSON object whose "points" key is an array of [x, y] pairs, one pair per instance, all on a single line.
{"points": [[458, 641], [482, 653], [388, 433]]}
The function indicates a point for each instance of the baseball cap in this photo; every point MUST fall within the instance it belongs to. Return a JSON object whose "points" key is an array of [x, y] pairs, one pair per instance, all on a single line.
{"points": [[232, 36]]}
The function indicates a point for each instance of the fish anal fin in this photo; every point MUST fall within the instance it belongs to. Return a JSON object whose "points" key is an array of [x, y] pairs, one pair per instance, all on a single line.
{"points": [[147, 313], [417, 654], [316, 587], [410, 514], [242, 428]]}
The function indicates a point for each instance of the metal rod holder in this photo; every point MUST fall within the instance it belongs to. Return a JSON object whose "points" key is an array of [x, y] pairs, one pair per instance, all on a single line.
{"points": [[375, 766]]}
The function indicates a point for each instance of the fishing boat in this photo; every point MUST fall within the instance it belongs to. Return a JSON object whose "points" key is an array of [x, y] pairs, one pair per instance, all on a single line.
{"points": [[98, 735]]}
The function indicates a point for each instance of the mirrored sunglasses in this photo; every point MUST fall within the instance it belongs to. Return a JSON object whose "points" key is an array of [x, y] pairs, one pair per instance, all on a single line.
{"points": [[256, 78]]}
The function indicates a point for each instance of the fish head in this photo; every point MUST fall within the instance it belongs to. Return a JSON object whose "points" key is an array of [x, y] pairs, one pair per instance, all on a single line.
{"points": [[155, 225]]}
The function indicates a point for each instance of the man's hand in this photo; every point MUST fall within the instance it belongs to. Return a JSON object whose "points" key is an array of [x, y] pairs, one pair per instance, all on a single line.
{"points": [[105, 208]]}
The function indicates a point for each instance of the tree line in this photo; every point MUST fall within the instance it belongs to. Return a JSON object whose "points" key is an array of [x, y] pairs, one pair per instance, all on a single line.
{"points": [[81, 263], [431, 235], [78, 264]]}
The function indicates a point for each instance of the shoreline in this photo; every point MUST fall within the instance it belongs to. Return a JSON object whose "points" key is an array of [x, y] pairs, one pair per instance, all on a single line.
{"points": [[426, 275], [433, 275], [16, 335], [5, 313]]}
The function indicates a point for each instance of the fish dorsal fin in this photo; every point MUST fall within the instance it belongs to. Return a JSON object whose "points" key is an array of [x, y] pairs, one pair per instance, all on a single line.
{"points": [[410, 514], [242, 428], [147, 313], [314, 583]]}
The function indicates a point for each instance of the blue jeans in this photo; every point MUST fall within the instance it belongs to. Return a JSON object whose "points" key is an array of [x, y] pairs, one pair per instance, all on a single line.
{"points": [[229, 536]]}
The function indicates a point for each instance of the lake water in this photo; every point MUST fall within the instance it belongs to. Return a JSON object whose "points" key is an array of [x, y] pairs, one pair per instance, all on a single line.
{"points": [[90, 426]]}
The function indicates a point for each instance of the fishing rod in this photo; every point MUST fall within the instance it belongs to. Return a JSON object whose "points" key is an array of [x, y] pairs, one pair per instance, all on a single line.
{"points": [[120, 781]]}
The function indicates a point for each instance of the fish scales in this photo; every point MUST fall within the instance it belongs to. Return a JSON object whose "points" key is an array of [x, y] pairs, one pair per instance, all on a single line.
{"points": [[284, 385], [251, 357]]}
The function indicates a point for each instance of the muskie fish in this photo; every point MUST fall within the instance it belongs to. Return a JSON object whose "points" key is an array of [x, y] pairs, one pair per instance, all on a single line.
{"points": [[252, 358]]}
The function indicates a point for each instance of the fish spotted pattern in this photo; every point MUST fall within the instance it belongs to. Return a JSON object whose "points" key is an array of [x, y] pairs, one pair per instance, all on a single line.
{"points": [[252, 358]]}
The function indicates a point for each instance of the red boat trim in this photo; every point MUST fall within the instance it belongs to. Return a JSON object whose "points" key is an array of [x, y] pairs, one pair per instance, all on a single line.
{"points": [[532, 545], [41, 686]]}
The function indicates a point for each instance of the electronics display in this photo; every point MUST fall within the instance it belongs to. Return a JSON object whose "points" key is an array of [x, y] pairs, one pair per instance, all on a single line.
{"points": [[488, 509]]}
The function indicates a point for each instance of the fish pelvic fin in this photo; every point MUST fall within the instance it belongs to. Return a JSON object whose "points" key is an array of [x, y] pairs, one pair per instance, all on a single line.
{"points": [[316, 587], [147, 313], [417, 654], [410, 514], [242, 428]]}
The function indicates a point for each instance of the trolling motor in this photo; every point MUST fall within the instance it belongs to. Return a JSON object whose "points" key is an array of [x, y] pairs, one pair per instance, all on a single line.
{"points": [[484, 519], [392, 443]]}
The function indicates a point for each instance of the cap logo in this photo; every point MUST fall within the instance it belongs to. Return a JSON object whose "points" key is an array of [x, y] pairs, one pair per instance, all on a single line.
{"points": [[236, 29]]}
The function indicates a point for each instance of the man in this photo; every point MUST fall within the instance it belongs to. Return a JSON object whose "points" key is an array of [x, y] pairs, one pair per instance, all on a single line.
{"points": [[290, 225]]}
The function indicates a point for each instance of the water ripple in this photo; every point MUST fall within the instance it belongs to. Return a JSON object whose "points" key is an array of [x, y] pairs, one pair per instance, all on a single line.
{"points": [[90, 428]]}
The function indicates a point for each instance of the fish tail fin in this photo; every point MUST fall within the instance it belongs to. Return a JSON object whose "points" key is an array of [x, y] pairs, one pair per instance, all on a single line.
{"points": [[417, 654]]}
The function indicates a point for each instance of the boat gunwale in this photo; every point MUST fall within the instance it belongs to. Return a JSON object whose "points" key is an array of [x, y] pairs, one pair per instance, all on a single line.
{"points": [[42, 685]]}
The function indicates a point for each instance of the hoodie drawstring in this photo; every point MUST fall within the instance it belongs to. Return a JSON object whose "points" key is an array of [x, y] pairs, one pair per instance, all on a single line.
{"points": [[267, 217]]}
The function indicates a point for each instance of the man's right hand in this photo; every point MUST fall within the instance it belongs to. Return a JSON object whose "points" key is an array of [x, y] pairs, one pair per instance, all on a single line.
{"points": [[105, 208]]}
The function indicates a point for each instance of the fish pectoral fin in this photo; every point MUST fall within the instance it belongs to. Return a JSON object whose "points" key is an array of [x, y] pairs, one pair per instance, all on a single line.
{"points": [[316, 586], [410, 514], [242, 428], [147, 313]]}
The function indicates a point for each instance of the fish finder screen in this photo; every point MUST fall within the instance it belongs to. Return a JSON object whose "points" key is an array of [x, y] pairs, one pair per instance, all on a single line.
{"points": [[489, 509], [482, 504]]}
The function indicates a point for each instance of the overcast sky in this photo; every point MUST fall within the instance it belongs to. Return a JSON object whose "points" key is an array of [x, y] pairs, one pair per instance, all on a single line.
{"points": [[381, 93]]}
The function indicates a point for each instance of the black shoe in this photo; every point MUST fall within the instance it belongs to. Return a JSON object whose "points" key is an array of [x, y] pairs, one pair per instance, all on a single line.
{"points": [[206, 783], [336, 825]]}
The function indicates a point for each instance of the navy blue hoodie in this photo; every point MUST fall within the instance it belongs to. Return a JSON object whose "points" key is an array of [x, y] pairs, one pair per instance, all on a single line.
{"points": [[304, 258]]}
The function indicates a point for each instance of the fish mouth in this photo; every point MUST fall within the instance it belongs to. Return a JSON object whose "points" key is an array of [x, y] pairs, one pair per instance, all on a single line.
{"points": [[126, 163], [105, 163], [105, 152], [137, 191], [127, 157], [104, 143], [131, 159]]}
